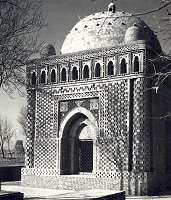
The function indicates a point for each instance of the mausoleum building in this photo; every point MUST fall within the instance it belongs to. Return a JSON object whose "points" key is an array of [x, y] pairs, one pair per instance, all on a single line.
{"points": [[92, 115]]}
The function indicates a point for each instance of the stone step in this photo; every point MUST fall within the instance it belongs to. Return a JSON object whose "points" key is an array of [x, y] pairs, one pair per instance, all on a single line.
{"points": [[87, 194]]}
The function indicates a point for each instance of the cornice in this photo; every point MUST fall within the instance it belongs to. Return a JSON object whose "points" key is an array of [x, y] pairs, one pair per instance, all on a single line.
{"points": [[88, 54]]}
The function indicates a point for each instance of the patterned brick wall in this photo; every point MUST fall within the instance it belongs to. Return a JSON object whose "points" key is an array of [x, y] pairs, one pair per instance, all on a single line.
{"points": [[134, 183], [46, 153], [109, 103], [46, 143], [121, 116], [113, 108], [29, 159], [44, 115], [141, 126], [113, 133]]}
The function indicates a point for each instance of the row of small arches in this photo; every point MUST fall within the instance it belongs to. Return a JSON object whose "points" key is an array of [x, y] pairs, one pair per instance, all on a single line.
{"points": [[86, 72]]}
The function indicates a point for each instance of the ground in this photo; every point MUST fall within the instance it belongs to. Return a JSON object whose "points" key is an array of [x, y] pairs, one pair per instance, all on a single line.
{"points": [[40, 194]]}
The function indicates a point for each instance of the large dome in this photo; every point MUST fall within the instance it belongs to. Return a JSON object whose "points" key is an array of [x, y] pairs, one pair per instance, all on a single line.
{"points": [[106, 29]]}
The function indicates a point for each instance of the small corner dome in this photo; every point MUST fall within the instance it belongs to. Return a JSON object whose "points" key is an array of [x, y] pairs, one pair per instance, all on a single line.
{"points": [[47, 50], [133, 33]]}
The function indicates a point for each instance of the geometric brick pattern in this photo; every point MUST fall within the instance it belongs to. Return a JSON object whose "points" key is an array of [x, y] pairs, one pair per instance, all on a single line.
{"points": [[141, 126], [89, 54], [113, 143], [113, 123], [108, 101], [40, 171], [46, 153], [109, 125], [29, 158], [91, 182], [44, 115]]}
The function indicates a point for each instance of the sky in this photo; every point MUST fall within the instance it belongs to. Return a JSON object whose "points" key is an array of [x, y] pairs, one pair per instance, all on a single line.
{"points": [[61, 16]]}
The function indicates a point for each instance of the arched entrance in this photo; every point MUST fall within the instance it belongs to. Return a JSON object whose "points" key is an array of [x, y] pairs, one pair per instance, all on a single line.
{"points": [[77, 144]]}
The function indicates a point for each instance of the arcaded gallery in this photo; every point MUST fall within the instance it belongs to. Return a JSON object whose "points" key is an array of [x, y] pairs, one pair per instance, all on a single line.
{"points": [[93, 117]]}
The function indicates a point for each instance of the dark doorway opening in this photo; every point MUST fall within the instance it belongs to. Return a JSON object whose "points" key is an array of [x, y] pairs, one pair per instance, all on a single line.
{"points": [[85, 156], [76, 154]]}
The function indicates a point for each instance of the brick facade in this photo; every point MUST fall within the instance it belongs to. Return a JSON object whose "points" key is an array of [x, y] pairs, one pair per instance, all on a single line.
{"points": [[113, 112]]}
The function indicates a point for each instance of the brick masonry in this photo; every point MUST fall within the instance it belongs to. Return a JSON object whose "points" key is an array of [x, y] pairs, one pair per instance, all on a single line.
{"points": [[117, 110]]}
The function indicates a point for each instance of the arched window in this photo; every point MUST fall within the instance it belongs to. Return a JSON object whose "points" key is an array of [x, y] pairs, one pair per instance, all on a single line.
{"points": [[86, 72], [136, 64], [43, 77], [63, 74], [97, 70], [74, 73], [53, 76], [123, 66], [110, 68], [33, 78]]}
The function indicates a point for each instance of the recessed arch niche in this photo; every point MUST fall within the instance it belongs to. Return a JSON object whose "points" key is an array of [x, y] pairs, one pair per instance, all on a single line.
{"points": [[78, 143]]}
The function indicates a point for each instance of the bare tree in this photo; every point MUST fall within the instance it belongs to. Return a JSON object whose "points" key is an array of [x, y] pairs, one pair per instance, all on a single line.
{"points": [[9, 137], [6, 133], [22, 119], [20, 22], [2, 137]]}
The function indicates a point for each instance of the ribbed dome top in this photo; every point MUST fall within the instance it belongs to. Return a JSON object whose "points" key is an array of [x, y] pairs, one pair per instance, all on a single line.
{"points": [[105, 29]]}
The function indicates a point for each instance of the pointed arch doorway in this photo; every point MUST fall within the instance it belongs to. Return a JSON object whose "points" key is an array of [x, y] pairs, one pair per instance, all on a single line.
{"points": [[78, 151]]}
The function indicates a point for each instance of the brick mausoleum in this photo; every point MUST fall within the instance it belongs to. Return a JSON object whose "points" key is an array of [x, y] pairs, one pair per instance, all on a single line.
{"points": [[93, 122]]}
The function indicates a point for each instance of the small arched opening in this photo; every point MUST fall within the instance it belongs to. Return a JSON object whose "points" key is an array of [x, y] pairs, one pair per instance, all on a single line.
{"points": [[43, 77], [136, 64], [110, 68], [33, 78], [123, 66], [53, 76], [74, 73], [97, 70], [63, 74], [86, 72]]}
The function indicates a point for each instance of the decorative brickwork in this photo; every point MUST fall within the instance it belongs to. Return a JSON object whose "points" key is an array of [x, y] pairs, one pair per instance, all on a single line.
{"points": [[85, 55], [29, 159], [113, 138], [45, 115], [90, 127], [46, 153], [88, 103], [141, 126]]}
